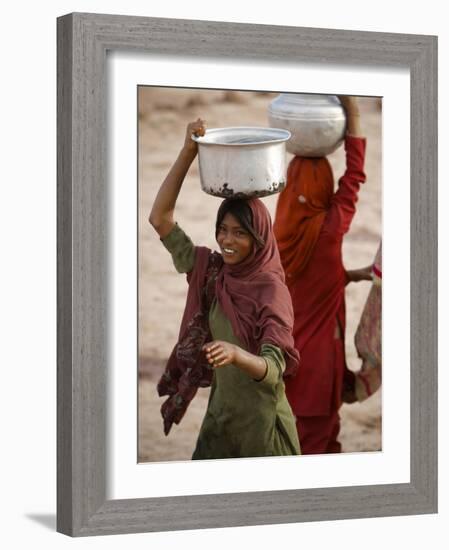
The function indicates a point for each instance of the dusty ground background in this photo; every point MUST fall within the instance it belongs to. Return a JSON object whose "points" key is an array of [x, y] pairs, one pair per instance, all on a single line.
{"points": [[163, 116]]}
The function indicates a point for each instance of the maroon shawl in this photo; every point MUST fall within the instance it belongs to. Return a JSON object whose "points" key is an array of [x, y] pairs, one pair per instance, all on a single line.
{"points": [[252, 295]]}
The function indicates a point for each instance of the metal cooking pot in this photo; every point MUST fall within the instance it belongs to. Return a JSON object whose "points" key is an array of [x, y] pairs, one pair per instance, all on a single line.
{"points": [[317, 122], [242, 162]]}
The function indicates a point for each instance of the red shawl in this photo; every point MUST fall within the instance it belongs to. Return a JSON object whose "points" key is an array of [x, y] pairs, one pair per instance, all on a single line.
{"points": [[301, 210]]}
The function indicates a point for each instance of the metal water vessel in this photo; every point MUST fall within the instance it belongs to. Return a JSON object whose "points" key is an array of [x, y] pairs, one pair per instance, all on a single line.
{"points": [[242, 162], [317, 122]]}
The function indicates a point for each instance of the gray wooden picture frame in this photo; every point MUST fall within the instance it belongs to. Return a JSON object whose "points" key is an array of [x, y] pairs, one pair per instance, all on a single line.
{"points": [[83, 41]]}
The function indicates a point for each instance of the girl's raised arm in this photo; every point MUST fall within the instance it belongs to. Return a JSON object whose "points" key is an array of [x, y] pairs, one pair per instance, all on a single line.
{"points": [[161, 216]]}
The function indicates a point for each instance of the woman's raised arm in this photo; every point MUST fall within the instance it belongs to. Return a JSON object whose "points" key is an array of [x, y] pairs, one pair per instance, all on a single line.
{"points": [[161, 216], [342, 209], [351, 107]]}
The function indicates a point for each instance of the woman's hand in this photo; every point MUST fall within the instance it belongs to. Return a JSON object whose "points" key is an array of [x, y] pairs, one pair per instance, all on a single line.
{"points": [[348, 394], [219, 353], [362, 274], [198, 128], [349, 103], [351, 107]]}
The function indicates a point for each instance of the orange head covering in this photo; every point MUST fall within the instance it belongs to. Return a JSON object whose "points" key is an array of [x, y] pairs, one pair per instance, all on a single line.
{"points": [[300, 211]]}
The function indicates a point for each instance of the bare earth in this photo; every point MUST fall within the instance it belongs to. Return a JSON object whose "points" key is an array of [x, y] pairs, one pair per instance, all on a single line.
{"points": [[164, 114]]}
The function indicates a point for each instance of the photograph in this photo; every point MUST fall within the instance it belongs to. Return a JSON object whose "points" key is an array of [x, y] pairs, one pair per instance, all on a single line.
{"points": [[202, 202], [259, 274], [222, 231]]}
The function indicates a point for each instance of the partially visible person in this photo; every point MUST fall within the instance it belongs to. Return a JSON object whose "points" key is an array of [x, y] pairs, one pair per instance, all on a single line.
{"points": [[311, 221], [368, 342]]}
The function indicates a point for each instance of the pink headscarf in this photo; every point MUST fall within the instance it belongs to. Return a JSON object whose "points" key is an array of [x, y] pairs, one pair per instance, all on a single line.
{"points": [[254, 297]]}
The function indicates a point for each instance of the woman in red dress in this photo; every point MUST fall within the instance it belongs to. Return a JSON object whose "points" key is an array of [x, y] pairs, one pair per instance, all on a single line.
{"points": [[310, 223]]}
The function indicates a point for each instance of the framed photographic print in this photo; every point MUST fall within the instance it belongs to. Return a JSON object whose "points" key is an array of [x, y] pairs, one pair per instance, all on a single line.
{"points": [[127, 87]]}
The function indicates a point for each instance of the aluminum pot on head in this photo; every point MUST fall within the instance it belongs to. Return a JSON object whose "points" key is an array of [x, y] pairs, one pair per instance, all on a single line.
{"points": [[242, 162], [317, 122]]}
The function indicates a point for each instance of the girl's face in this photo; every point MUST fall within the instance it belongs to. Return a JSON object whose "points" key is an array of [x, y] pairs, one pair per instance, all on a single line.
{"points": [[234, 241]]}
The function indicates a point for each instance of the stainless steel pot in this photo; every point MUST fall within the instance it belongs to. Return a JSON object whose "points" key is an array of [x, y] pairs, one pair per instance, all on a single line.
{"points": [[317, 122], [242, 161]]}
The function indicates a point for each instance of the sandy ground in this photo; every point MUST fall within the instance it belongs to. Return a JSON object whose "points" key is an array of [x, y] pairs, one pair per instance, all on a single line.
{"points": [[163, 115]]}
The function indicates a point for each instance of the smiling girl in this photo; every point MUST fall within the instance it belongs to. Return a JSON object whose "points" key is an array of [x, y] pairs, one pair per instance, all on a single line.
{"points": [[236, 331]]}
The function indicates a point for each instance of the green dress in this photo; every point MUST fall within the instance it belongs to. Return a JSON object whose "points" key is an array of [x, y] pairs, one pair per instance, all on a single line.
{"points": [[244, 417]]}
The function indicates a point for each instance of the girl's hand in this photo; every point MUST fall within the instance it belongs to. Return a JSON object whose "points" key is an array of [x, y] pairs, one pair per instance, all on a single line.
{"points": [[199, 129], [219, 353]]}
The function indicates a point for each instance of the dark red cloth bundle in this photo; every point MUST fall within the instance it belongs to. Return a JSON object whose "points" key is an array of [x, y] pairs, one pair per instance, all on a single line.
{"points": [[187, 368]]}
